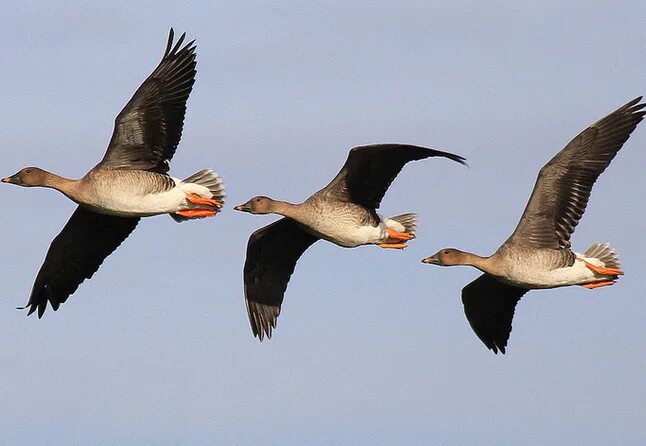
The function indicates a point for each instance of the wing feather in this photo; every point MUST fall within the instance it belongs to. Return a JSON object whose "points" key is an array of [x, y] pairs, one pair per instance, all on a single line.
{"points": [[369, 171], [564, 184], [148, 129], [489, 307], [272, 253], [75, 255]]}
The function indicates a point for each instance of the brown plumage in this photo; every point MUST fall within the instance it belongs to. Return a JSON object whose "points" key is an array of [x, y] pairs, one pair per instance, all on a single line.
{"points": [[538, 254], [146, 134], [148, 129], [564, 184], [338, 213]]}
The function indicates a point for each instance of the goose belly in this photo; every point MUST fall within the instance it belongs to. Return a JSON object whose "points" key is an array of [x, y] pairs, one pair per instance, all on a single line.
{"points": [[128, 203], [576, 274], [347, 233]]}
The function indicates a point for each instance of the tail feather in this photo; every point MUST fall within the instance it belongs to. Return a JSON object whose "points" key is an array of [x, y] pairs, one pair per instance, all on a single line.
{"points": [[605, 254], [208, 179], [408, 221]]}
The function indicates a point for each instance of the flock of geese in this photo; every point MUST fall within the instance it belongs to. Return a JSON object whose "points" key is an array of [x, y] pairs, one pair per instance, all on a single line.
{"points": [[132, 181]]}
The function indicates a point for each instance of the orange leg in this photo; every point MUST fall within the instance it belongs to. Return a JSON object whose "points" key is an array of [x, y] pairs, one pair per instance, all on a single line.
{"points": [[593, 285], [402, 236], [603, 270], [392, 245], [196, 213], [196, 199]]}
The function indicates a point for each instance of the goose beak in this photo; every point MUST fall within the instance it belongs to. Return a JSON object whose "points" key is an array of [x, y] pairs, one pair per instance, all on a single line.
{"points": [[433, 260], [243, 207], [14, 179]]}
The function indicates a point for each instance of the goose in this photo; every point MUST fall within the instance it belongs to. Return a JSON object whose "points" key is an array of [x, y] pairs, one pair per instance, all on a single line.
{"points": [[538, 254], [343, 212], [130, 182]]}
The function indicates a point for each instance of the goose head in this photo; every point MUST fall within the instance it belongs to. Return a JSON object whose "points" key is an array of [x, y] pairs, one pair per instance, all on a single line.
{"points": [[447, 257], [28, 177], [257, 205]]}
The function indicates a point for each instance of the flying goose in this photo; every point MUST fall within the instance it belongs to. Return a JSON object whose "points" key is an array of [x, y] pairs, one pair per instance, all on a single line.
{"points": [[130, 182], [538, 254], [343, 212]]}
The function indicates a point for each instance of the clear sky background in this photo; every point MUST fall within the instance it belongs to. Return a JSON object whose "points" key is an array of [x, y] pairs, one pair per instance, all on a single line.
{"points": [[372, 346]]}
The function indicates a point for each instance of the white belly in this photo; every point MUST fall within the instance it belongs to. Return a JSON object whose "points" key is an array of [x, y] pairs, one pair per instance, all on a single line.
{"points": [[125, 202], [577, 274], [348, 234]]}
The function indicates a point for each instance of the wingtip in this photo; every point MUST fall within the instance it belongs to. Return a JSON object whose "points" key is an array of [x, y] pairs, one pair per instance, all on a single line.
{"points": [[452, 156], [634, 101], [169, 43], [261, 334], [262, 319], [463, 161], [172, 49], [633, 106], [495, 348]]}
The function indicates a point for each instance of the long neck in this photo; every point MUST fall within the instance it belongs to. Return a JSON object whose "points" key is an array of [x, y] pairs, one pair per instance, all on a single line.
{"points": [[484, 264], [62, 184], [285, 209]]}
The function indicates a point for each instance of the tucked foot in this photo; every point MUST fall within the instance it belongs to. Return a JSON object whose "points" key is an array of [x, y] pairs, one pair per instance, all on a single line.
{"points": [[593, 285], [603, 270], [399, 236], [196, 213], [196, 199], [392, 245]]}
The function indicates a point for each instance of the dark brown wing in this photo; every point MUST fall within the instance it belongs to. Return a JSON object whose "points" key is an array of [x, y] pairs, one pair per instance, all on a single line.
{"points": [[75, 255], [148, 129], [369, 171], [489, 306], [272, 253], [564, 184]]}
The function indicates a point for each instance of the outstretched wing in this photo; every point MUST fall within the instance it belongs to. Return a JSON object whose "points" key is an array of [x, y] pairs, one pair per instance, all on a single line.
{"points": [[75, 255], [272, 253], [564, 184], [148, 129], [489, 306], [369, 171]]}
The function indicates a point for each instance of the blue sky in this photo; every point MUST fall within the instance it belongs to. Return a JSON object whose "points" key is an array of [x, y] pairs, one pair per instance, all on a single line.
{"points": [[372, 346]]}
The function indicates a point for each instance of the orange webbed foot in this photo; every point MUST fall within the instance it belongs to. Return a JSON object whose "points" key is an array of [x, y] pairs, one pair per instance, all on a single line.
{"points": [[401, 236], [196, 213], [196, 199], [392, 245], [594, 285], [602, 270]]}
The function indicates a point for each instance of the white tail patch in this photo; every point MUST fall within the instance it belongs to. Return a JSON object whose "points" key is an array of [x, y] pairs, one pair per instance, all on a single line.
{"points": [[408, 223], [604, 253], [210, 180]]}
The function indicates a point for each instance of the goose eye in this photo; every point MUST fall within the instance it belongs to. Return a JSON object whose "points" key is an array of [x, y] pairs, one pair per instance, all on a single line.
{"points": [[28, 171], [446, 251], [257, 200]]}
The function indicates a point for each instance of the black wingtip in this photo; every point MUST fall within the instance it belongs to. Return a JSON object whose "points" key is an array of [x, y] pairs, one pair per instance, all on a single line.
{"points": [[40, 308], [632, 107], [31, 309], [169, 44], [172, 49], [452, 156], [179, 43], [634, 101]]}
